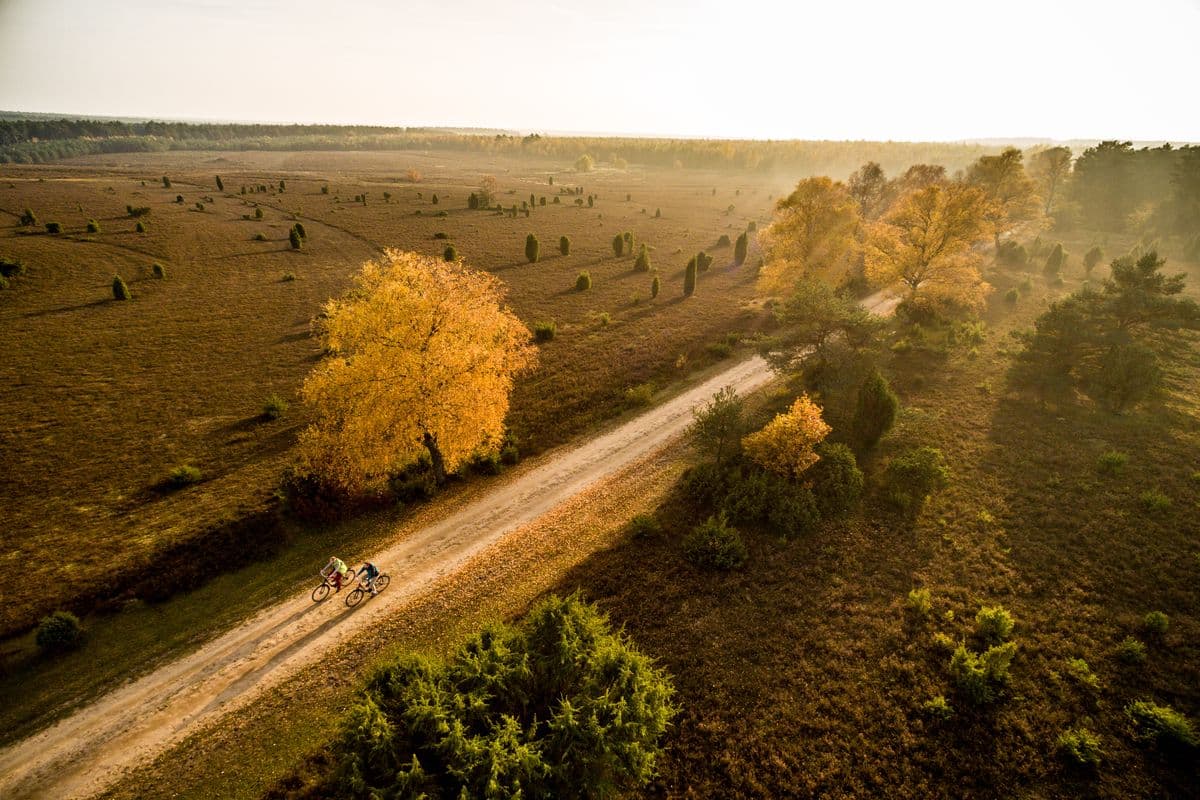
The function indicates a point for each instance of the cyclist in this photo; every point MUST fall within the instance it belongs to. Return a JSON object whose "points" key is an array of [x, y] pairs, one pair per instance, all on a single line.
{"points": [[370, 572], [337, 570]]}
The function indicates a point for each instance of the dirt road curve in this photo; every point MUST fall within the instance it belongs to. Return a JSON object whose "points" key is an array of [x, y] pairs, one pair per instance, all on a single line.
{"points": [[85, 752]]}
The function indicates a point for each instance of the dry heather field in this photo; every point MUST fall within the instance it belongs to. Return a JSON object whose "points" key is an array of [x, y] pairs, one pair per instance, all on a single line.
{"points": [[104, 398]]}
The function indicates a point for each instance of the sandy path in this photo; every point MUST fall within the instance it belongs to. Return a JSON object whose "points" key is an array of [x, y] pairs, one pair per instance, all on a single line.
{"points": [[84, 753]]}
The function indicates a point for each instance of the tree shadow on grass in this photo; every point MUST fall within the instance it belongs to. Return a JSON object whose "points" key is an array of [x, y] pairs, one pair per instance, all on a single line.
{"points": [[46, 312]]}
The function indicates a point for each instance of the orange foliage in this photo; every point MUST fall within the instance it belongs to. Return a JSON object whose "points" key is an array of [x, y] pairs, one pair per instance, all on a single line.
{"points": [[785, 445]]}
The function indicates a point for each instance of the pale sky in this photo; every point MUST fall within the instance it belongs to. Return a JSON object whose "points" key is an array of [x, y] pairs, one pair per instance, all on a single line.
{"points": [[844, 69]]}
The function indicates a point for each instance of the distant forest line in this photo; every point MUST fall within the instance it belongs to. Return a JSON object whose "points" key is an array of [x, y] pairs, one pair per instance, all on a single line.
{"points": [[38, 141]]}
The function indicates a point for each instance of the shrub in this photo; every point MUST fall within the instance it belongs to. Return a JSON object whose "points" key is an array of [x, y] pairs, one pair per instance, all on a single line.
{"points": [[1093, 257], [1080, 747], [183, 475], [689, 279], [274, 407], [761, 498], [450, 253], [59, 632], [703, 261], [1131, 651], [657, 213], [713, 544], [723, 241], [1162, 725], [299, 229], [1012, 253], [120, 291], [1079, 670], [654, 287], [288, 277], [642, 264], [1156, 623], [938, 707], [719, 349], [441, 235], [874, 412], [1012, 296], [258, 213], [740, 247], [434, 200], [179, 199], [918, 603], [53, 227], [199, 206], [324, 189], [28, 218], [1111, 462], [585, 163], [993, 624], [564, 245], [1154, 501], [583, 282], [159, 271], [531, 248], [11, 267], [556, 705], [979, 676], [166, 182], [295, 240], [913, 476], [260, 237], [618, 245], [1056, 260], [837, 482], [544, 331], [220, 184], [140, 227], [639, 396], [644, 525]]}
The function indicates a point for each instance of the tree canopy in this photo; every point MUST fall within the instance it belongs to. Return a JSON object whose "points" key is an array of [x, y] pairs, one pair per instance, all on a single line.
{"points": [[928, 242], [423, 354], [1010, 193], [786, 445], [813, 234]]}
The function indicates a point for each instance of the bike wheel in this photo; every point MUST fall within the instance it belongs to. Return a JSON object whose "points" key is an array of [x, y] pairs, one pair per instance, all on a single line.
{"points": [[355, 597], [320, 593], [382, 582]]}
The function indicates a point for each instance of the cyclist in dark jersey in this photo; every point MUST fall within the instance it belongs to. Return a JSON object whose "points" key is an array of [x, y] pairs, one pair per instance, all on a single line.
{"points": [[370, 572]]}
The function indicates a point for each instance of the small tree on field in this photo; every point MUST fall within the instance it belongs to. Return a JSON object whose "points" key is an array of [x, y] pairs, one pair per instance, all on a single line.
{"points": [[282, 186], [585, 163], [140, 227], [875, 411], [1056, 260], [657, 213], [564, 245], [450, 254], [473, 201], [591, 201], [299, 229], [654, 288], [59, 632], [120, 290], [618, 245], [166, 182], [295, 240], [28, 218], [487, 191], [93, 226], [643, 260], [220, 184], [324, 189], [434, 200], [785, 445], [628, 238], [532, 247], [583, 282], [740, 248], [258, 213], [913, 476], [689, 279], [719, 424], [1091, 259]]}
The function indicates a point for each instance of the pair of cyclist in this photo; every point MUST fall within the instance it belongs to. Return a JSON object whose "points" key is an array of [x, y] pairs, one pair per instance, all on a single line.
{"points": [[337, 571]]}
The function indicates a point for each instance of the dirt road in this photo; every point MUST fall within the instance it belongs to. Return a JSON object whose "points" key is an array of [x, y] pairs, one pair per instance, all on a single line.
{"points": [[84, 753]]}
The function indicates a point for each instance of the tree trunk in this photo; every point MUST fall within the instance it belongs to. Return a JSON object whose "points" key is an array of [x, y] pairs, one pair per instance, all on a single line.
{"points": [[435, 459]]}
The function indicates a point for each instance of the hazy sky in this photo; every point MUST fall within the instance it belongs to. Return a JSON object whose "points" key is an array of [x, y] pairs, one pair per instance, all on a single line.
{"points": [[843, 69]]}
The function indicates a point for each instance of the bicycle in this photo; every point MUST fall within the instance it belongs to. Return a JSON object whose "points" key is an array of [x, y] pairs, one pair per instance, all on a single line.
{"points": [[326, 586], [362, 589]]}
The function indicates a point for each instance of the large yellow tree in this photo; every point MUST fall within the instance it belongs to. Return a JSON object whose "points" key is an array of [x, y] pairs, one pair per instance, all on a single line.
{"points": [[1011, 194], [812, 235], [929, 242], [422, 357]]}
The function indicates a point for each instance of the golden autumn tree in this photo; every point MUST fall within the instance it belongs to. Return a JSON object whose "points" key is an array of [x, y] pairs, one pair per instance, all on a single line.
{"points": [[928, 243], [1011, 194], [1050, 168], [786, 445], [812, 235], [422, 359]]}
